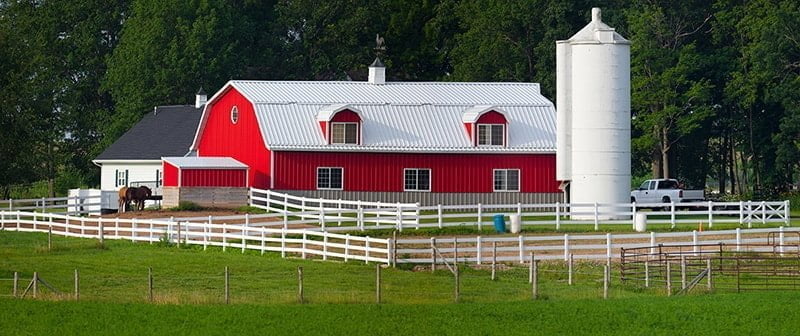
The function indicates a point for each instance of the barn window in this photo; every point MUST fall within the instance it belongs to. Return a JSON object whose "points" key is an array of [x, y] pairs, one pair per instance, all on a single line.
{"points": [[417, 179], [234, 114], [506, 180], [122, 178], [344, 133], [330, 178], [159, 178], [491, 135]]}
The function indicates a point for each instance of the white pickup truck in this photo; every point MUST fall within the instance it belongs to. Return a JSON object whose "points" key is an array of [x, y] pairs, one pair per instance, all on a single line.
{"points": [[665, 191]]}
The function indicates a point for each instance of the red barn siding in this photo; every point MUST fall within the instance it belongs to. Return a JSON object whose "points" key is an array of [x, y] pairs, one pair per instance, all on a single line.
{"points": [[384, 171], [213, 178], [241, 141], [170, 175]]}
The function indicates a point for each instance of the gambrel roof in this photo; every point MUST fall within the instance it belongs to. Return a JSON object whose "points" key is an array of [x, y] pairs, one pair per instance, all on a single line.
{"points": [[397, 116]]}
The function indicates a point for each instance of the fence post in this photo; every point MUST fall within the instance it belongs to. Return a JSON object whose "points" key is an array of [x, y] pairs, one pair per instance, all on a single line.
{"points": [[206, 230], [738, 239], [606, 277], [360, 215], [596, 219], [494, 260], [749, 214], [399, 217], [303, 252], [366, 250], [433, 254], [243, 232], [652, 241], [521, 249], [695, 239], [708, 274], [77, 285], [646, 274], [710, 214], [35, 282], [227, 286], [457, 282], [478, 248], [534, 277], [285, 212], [50, 238], [224, 236], [566, 246], [283, 244], [786, 213], [378, 283], [394, 249], [43, 206], [15, 291], [439, 214], [455, 250], [608, 245], [672, 213], [569, 270], [324, 245], [741, 213], [322, 214], [150, 284], [558, 216], [346, 247], [300, 284], [763, 212], [480, 216], [683, 272], [669, 279], [780, 240]]}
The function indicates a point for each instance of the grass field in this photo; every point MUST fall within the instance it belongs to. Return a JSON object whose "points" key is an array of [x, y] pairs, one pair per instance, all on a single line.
{"points": [[340, 296], [721, 314]]}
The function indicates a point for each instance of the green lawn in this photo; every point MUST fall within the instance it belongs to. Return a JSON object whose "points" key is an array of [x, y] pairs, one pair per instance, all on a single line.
{"points": [[722, 314], [189, 292]]}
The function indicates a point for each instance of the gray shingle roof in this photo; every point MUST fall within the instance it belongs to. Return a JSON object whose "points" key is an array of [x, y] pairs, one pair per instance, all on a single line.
{"points": [[168, 131]]}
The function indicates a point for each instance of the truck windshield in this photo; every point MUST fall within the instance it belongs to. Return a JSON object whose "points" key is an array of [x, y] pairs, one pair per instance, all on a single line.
{"points": [[668, 184]]}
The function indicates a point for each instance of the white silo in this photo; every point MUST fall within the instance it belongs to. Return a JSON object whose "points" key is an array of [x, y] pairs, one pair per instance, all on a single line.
{"points": [[593, 121]]}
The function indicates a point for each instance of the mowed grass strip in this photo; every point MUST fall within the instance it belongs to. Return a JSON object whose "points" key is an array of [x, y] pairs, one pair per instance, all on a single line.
{"points": [[771, 313]]}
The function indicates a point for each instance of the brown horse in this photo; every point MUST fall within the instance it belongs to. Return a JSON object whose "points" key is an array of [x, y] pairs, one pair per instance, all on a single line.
{"points": [[124, 201], [138, 196]]}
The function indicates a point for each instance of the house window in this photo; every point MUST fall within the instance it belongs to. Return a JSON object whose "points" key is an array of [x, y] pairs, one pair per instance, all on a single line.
{"points": [[234, 114], [122, 178], [159, 178], [506, 180], [329, 178], [491, 135], [344, 133], [417, 179]]}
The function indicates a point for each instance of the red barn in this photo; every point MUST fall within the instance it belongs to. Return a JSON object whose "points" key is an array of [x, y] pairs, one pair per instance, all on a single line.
{"points": [[427, 142]]}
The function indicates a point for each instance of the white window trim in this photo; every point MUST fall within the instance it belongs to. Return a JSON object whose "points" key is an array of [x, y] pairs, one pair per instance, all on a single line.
{"points": [[358, 133], [519, 180], [123, 178], [236, 109], [489, 126], [316, 176], [430, 180]]}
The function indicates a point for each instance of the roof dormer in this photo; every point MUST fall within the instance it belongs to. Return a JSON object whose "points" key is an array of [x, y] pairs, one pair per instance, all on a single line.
{"points": [[486, 125], [340, 124]]}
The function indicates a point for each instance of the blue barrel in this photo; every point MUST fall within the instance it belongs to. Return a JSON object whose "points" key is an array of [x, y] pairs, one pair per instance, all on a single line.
{"points": [[500, 223]]}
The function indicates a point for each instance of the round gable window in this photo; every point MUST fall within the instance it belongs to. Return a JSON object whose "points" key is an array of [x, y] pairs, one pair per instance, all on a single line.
{"points": [[234, 114]]}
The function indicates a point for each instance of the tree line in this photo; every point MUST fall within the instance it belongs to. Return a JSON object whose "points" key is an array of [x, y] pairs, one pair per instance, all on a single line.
{"points": [[715, 84]]}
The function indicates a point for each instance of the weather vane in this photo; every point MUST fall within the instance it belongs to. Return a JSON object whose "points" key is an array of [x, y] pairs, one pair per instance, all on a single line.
{"points": [[380, 45]]}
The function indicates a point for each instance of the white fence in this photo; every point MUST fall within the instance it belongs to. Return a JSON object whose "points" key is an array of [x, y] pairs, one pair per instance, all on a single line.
{"points": [[592, 246], [375, 215], [73, 205], [238, 236]]}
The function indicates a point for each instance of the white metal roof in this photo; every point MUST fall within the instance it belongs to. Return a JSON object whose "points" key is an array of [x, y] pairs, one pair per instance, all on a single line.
{"points": [[397, 116], [207, 162]]}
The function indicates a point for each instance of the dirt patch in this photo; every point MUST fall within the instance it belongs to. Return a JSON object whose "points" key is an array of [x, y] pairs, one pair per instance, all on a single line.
{"points": [[177, 214]]}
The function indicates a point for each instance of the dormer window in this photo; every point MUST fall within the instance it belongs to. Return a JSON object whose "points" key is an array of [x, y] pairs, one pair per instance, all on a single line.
{"points": [[340, 124], [344, 133], [486, 126], [491, 135]]}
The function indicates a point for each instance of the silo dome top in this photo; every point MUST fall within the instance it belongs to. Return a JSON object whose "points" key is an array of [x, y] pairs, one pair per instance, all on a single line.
{"points": [[597, 32]]}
